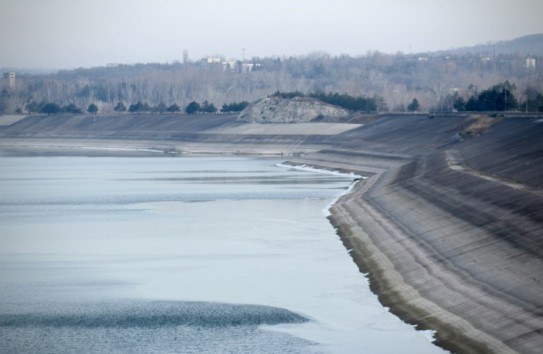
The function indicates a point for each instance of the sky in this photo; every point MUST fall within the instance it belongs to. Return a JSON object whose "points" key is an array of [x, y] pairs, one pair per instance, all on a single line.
{"points": [[65, 34]]}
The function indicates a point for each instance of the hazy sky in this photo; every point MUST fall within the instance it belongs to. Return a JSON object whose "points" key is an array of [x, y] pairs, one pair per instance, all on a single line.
{"points": [[75, 33]]}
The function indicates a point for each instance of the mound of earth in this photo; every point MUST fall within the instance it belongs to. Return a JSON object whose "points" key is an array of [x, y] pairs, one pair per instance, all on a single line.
{"points": [[293, 110]]}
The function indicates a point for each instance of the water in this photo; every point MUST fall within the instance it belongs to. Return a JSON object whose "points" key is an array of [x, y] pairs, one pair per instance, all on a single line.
{"points": [[181, 255]]}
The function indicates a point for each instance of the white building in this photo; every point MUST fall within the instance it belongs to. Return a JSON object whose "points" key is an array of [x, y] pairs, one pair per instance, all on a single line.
{"points": [[215, 60], [10, 80], [530, 63]]}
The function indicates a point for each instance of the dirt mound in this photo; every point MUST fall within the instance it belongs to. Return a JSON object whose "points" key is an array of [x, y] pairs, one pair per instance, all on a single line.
{"points": [[289, 110]]}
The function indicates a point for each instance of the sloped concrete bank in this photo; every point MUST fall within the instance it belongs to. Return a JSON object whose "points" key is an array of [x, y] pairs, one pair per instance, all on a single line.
{"points": [[169, 134], [446, 248]]}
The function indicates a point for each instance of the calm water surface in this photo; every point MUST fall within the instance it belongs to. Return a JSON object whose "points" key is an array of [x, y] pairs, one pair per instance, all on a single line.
{"points": [[181, 255]]}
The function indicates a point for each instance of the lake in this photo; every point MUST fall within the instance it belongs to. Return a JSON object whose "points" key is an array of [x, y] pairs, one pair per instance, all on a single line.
{"points": [[181, 255]]}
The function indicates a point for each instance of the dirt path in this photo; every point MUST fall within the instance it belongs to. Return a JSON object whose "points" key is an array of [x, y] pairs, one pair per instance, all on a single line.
{"points": [[457, 163]]}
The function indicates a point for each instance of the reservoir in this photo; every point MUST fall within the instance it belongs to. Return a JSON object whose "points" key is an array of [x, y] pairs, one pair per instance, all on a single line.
{"points": [[181, 255]]}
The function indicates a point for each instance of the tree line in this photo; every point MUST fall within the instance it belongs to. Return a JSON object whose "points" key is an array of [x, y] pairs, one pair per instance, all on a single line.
{"points": [[395, 79], [53, 108], [138, 107], [499, 97]]}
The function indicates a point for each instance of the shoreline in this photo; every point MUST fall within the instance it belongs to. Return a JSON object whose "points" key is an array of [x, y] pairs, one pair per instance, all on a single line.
{"points": [[141, 148], [370, 262], [383, 277]]}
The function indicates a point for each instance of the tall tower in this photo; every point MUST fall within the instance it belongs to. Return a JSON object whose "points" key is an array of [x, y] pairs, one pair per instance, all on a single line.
{"points": [[10, 78]]}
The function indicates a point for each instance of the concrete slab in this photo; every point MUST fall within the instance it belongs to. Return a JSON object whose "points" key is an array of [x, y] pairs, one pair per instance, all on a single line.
{"points": [[7, 120], [286, 129]]}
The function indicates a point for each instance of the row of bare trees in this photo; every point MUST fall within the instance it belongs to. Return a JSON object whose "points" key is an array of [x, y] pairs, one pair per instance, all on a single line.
{"points": [[396, 79]]}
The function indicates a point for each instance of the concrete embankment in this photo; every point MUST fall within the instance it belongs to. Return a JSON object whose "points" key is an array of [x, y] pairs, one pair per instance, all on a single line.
{"points": [[172, 134], [448, 225], [448, 246]]}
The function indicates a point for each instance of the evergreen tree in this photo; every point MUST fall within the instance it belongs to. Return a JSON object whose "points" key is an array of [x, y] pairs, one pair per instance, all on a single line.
{"points": [[192, 107], [472, 104], [173, 108], [234, 107], [459, 104], [413, 106], [139, 107], [120, 107], [92, 109], [71, 108], [50, 108], [535, 103], [208, 107], [497, 98]]}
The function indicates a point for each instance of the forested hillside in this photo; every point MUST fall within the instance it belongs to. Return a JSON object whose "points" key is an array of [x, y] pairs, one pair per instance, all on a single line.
{"points": [[527, 45], [434, 80]]}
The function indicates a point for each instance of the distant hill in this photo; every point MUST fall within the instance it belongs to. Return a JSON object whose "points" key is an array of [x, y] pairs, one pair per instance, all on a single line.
{"points": [[527, 45]]}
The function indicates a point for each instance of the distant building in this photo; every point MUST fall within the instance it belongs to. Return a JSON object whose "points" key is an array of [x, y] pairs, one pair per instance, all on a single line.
{"points": [[231, 65], [530, 63], [215, 60], [10, 80], [247, 67]]}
